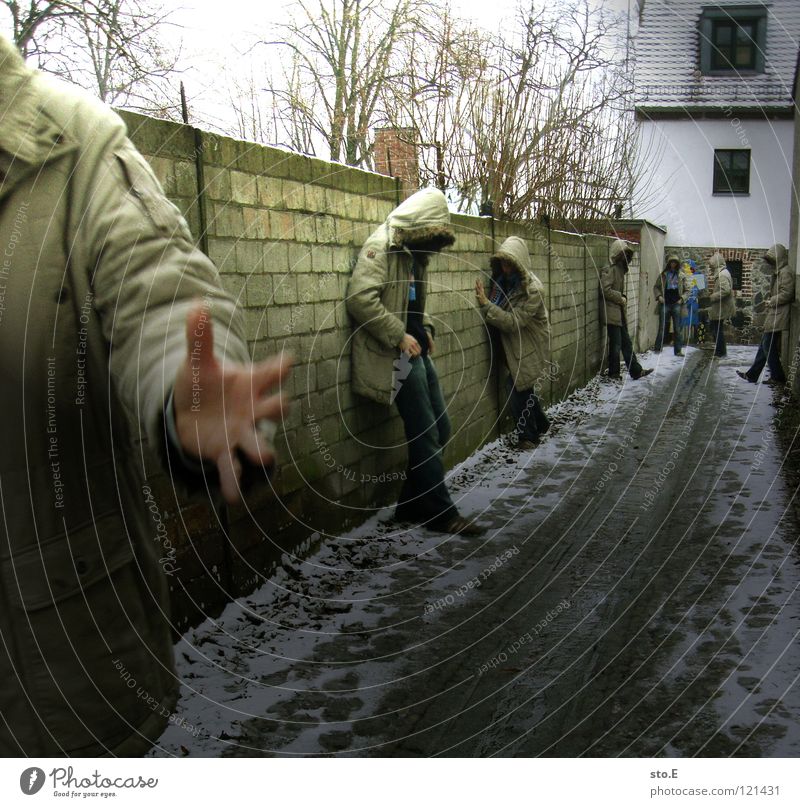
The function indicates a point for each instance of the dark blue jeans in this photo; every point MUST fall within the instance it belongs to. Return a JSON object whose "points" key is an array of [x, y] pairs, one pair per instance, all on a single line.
{"points": [[424, 496], [667, 314], [530, 421], [619, 339], [718, 329], [769, 352]]}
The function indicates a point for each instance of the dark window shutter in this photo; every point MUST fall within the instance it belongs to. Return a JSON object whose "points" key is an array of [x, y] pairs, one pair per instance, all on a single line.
{"points": [[704, 34], [761, 44]]}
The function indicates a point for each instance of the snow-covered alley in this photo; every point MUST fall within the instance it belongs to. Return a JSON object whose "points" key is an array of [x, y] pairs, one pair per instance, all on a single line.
{"points": [[635, 594]]}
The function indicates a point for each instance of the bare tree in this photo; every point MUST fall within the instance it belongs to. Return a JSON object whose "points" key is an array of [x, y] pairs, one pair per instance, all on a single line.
{"points": [[112, 47], [535, 120], [341, 63]]}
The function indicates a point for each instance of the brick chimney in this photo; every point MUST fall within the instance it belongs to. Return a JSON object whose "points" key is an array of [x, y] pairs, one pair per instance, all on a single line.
{"points": [[396, 155]]}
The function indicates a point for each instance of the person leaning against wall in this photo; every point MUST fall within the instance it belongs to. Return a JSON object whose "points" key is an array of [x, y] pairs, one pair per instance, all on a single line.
{"points": [[671, 291], [613, 307], [720, 304], [101, 281], [392, 347], [778, 307], [515, 307]]}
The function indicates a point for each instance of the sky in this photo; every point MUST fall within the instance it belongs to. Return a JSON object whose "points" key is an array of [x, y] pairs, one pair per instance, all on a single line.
{"points": [[215, 42], [216, 39]]}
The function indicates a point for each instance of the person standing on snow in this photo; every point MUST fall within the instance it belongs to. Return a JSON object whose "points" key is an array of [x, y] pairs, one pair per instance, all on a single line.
{"points": [[613, 309], [515, 307], [778, 314], [671, 290], [720, 303], [392, 347]]}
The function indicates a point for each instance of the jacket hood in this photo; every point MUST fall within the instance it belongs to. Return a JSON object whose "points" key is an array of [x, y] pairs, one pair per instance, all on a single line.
{"points": [[618, 247], [515, 250], [779, 254], [670, 258], [716, 263], [422, 216]]}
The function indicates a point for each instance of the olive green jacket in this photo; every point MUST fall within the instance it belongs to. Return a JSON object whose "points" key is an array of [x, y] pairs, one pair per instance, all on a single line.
{"points": [[523, 322], [781, 292], [98, 274], [377, 294], [722, 302], [612, 286], [659, 287]]}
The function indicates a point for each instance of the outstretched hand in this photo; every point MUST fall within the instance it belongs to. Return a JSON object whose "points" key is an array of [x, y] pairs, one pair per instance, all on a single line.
{"points": [[218, 407]]}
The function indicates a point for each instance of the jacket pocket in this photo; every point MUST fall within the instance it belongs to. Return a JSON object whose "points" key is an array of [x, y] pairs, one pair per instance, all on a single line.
{"points": [[64, 566], [144, 187], [86, 648], [377, 347]]}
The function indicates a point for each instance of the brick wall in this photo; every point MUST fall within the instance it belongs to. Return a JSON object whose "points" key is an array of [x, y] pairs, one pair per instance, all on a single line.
{"points": [[396, 155], [284, 231]]}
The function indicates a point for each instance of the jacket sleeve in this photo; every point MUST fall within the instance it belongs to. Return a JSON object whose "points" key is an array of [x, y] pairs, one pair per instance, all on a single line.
{"points": [[146, 276], [785, 291], [516, 318], [722, 288], [364, 298], [658, 291], [607, 285]]}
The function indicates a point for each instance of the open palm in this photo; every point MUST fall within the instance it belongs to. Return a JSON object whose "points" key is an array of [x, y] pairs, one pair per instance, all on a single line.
{"points": [[218, 407]]}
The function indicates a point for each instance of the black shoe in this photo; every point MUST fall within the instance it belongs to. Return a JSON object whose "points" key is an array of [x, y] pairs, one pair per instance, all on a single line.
{"points": [[680, 353], [643, 374], [616, 377], [744, 375], [402, 515], [773, 382]]}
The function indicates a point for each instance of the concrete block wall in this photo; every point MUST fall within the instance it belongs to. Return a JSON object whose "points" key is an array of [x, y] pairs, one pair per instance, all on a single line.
{"points": [[284, 231]]}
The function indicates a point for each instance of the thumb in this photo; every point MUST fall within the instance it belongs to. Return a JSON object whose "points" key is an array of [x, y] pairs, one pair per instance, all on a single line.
{"points": [[200, 335]]}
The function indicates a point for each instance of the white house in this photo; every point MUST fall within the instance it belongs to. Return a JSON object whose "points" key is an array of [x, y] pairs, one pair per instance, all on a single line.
{"points": [[714, 102]]}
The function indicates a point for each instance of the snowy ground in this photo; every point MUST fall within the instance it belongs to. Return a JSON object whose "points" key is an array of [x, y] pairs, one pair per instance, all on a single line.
{"points": [[339, 652]]}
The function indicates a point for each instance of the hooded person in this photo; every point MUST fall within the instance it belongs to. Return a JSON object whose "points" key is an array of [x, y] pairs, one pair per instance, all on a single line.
{"points": [[613, 307], [721, 304], [392, 346], [101, 279], [777, 318], [671, 291], [515, 307]]}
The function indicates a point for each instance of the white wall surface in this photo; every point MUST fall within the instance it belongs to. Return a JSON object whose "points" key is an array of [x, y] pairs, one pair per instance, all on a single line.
{"points": [[676, 187]]}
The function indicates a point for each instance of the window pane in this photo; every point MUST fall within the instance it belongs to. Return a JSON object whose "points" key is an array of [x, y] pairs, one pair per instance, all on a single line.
{"points": [[722, 35], [731, 171], [745, 33]]}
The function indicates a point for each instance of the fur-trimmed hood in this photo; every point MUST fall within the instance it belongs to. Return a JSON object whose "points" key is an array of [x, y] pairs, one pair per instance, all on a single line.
{"points": [[422, 216], [515, 251], [716, 263], [779, 254], [670, 258], [618, 247]]}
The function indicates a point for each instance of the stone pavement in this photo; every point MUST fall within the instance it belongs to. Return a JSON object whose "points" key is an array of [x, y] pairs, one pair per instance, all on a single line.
{"points": [[636, 594]]}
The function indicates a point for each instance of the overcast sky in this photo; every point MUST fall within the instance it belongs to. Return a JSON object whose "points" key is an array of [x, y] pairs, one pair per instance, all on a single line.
{"points": [[217, 38], [218, 34]]}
